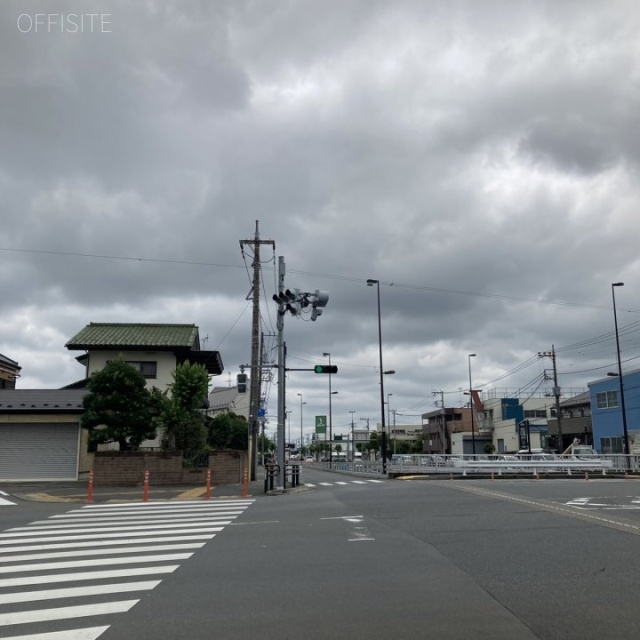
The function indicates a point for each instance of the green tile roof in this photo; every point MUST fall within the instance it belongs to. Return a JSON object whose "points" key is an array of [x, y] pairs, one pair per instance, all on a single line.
{"points": [[101, 335]]}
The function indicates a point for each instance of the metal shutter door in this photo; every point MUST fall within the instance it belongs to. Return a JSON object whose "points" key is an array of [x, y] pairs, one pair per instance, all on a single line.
{"points": [[39, 451]]}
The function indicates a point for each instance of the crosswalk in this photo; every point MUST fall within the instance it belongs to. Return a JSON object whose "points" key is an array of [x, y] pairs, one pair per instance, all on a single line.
{"points": [[98, 560], [340, 483]]}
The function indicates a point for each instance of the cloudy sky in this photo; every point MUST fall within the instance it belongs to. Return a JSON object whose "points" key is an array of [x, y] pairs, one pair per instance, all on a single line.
{"points": [[480, 158]]}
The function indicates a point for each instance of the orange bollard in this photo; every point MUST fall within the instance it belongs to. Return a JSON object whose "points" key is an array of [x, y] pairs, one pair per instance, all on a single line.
{"points": [[245, 484], [90, 488], [145, 493], [208, 484]]}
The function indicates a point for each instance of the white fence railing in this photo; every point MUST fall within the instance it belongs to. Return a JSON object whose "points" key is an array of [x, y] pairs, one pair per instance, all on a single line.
{"points": [[427, 464]]}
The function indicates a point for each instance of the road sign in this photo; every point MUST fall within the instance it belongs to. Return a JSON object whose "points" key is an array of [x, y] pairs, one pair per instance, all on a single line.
{"points": [[321, 424]]}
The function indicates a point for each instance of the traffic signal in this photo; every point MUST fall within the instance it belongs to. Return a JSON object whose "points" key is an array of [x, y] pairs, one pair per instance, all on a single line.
{"points": [[320, 299], [324, 368], [241, 380]]}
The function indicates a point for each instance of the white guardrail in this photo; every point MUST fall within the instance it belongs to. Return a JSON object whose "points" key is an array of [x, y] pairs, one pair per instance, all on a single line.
{"points": [[498, 464]]}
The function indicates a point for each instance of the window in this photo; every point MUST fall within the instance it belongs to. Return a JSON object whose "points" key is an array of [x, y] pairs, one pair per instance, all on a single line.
{"points": [[607, 399], [611, 445], [146, 368], [535, 413]]}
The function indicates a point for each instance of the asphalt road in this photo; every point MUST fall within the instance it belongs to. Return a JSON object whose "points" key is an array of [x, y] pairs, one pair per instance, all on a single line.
{"points": [[344, 558]]}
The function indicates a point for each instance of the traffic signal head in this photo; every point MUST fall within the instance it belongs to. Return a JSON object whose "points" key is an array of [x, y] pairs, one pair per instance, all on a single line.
{"points": [[324, 368], [320, 299]]}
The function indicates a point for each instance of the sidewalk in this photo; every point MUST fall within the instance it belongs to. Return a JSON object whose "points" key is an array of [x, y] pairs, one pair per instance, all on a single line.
{"points": [[78, 492]]}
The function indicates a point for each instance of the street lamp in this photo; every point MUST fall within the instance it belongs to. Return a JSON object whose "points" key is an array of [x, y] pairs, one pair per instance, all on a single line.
{"points": [[353, 440], [301, 438], [288, 413], [389, 418], [622, 408], [326, 354], [473, 430], [370, 283]]}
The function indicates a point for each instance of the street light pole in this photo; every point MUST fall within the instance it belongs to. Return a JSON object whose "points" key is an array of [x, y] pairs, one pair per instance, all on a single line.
{"points": [[326, 354], [627, 449], [301, 439], [389, 422], [353, 440], [288, 413], [473, 430], [370, 283]]}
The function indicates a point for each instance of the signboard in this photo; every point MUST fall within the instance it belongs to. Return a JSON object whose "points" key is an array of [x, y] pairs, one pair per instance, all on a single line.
{"points": [[321, 424], [523, 434]]}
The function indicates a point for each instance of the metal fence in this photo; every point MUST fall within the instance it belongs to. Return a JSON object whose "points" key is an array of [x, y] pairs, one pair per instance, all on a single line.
{"points": [[464, 465]]}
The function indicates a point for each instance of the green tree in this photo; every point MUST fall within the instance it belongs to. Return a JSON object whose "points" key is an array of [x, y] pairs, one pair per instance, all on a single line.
{"points": [[119, 407], [228, 431], [182, 412]]}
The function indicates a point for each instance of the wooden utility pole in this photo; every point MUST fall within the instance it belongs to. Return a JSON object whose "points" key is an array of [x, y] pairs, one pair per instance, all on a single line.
{"points": [[256, 369]]}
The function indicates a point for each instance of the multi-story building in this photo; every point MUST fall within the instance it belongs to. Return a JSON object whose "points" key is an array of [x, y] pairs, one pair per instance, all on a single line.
{"points": [[606, 413]]}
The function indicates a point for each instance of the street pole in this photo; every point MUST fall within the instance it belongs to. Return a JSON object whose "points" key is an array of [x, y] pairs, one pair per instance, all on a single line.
{"points": [[627, 449], [473, 431], [353, 439], [330, 415], [301, 439], [370, 283]]}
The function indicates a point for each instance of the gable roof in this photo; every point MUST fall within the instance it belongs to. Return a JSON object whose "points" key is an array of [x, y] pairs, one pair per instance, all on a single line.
{"points": [[112, 336], [9, 366], [41, 400]]}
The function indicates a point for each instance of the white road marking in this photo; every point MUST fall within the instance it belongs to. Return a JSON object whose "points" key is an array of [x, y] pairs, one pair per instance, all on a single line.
{"points": [[326, 484], [19, 531], [102, 543], [99, 536], [6, 503], [143, 517], [358, 482], [342, 483], [63, 613], [101, 552], [102, 562], [89, 633], [89, 575], [77, 527], [78, 592], [165, 504]]}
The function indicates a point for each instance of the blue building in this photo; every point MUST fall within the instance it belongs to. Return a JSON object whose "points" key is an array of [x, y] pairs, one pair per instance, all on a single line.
{"points": [[606, 413]]}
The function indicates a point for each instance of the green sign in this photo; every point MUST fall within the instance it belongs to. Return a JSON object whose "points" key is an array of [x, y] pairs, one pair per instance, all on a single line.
{"points": [[321, 424]]}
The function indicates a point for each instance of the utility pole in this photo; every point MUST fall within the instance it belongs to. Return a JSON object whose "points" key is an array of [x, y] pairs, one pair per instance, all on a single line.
{"points": [[256, 372], [556, 393]]}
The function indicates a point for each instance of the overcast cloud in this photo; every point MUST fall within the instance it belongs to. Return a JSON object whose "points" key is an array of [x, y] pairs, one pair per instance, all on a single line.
{"points": [[480, 158]]}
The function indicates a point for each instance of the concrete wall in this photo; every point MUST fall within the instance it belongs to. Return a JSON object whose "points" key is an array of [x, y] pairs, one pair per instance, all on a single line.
{"points": [[111, 468]]}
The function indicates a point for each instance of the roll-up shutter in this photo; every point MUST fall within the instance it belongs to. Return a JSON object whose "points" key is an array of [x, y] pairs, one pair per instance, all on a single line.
{"points": [[39, 451]]}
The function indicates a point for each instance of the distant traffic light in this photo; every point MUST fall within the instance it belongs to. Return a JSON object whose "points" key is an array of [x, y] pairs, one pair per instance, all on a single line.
{"points": [[241, 380], [325, 368]]}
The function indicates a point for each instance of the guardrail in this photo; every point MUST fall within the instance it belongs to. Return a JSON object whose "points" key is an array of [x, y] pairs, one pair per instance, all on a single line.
{"points": [[427, 464]]}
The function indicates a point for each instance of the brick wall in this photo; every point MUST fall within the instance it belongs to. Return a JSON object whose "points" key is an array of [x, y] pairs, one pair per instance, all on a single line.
{"points": [[126, 468]]}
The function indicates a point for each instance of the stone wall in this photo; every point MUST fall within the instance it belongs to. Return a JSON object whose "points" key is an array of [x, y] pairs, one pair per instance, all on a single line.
{"points": [[126, 468]]}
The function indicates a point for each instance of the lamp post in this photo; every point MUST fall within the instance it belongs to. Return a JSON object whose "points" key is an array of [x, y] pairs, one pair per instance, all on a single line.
{"points": [[473, 430], [301, 438], [370, 283], [288, 413], [326, 354], [353, 441], [389, 420], [627, 449]]}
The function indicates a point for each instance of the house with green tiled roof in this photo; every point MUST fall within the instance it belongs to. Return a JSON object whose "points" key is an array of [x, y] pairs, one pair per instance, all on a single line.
{"points": [[154, 349]]}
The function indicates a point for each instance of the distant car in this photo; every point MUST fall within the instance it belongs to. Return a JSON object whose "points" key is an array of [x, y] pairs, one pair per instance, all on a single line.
{"points": [[308, 459]]}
